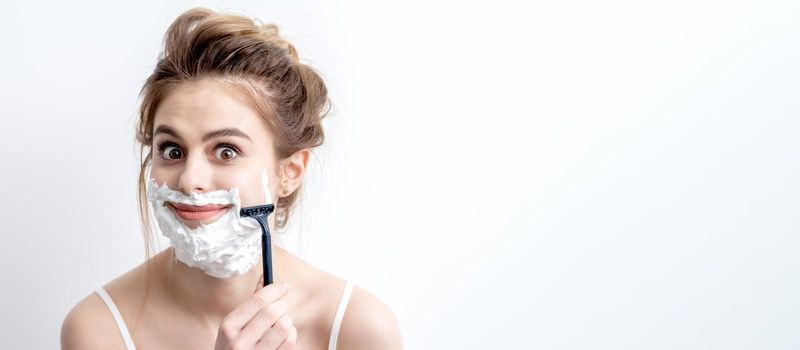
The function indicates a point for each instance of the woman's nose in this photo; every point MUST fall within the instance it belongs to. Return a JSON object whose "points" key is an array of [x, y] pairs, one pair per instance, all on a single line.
{"points": [[196, 175]]}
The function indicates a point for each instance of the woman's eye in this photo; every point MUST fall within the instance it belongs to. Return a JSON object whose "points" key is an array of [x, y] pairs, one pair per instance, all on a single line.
{"points": [[226, 153], [171, 152]]}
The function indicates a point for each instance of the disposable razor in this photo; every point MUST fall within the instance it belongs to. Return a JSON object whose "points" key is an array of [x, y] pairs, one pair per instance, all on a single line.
{"points": [[261, 213]]}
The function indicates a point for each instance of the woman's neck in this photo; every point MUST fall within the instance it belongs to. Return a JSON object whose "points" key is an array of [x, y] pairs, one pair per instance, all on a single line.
{"points": [[209, 298]]}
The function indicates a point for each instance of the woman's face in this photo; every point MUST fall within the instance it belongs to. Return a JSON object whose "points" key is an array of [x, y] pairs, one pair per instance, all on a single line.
{"points": [[204, 140]]}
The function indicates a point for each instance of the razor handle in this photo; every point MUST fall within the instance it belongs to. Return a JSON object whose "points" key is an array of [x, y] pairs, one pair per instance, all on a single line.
{"points": [[261, 213]]}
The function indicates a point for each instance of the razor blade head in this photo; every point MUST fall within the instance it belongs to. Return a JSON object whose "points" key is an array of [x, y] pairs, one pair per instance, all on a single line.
{"points": [[260, 210]]}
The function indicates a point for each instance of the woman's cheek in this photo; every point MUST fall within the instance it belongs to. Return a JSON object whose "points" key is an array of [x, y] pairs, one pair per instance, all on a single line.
{"points": [[157, 174], [251, 191]]}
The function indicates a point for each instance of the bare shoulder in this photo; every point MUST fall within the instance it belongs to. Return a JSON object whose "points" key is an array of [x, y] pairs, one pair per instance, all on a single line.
{"points": [[90, 325], [368, 323]]}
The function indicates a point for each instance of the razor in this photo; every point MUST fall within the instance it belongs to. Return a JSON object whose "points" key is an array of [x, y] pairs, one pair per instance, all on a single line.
{"points": [[261, 213]]}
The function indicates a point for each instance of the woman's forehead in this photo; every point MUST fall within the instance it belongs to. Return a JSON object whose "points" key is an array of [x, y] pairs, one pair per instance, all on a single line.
{"points": [[199, 107]]}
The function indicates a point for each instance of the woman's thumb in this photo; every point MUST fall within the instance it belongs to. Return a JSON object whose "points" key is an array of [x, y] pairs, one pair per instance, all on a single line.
{"points": [[260, 282]]}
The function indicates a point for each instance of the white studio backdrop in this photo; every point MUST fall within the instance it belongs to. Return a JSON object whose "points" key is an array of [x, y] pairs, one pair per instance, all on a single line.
{"points": [[555, 175]]}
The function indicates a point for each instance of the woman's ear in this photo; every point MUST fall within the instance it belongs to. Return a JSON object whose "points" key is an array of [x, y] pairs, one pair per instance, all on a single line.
{"points": [[292, 170]]}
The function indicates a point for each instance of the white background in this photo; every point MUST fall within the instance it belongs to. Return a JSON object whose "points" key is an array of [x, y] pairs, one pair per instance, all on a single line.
{"points": [[564, 175]]}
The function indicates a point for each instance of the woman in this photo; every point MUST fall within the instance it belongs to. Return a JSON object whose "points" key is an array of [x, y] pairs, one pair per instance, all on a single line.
{"points": [[228, 120]]}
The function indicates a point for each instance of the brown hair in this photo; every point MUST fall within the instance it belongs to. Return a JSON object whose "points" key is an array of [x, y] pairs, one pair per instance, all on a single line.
{"points": [[261, 68]]}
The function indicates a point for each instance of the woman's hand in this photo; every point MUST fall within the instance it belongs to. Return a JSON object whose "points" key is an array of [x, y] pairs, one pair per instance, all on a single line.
{"points": [[259, 323]]}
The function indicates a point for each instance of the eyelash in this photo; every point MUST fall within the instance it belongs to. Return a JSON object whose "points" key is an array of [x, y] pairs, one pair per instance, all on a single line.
{"points": [[161, 146]]}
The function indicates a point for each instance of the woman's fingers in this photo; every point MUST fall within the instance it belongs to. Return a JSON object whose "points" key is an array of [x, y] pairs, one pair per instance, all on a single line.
{"points": [[263, 321], [277, 334], [240, 316], [290, 341]]}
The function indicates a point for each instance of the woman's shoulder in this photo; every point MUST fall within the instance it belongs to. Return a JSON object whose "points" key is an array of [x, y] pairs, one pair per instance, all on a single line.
{"points": [[90, 323], [367, 321]]}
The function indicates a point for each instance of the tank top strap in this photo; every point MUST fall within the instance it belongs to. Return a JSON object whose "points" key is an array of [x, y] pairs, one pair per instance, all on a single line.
{"points": [[337, 320], [123, 330]]}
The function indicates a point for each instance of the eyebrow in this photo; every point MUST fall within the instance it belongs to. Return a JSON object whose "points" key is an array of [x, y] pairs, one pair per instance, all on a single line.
{"points": [[163, 129]]}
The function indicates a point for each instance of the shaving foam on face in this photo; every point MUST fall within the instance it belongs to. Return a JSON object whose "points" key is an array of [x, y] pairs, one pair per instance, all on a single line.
{"points": [[227, 247]]}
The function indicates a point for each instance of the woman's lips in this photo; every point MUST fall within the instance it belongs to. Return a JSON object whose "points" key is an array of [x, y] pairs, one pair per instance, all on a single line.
{"points": [[195, 213]]}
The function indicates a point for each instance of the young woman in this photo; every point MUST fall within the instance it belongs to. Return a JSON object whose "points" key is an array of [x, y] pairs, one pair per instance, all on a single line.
{"points": [[228, 120]]}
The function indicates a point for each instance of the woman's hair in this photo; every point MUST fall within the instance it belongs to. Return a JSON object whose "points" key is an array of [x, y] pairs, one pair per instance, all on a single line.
{"points": [[261, 68]]}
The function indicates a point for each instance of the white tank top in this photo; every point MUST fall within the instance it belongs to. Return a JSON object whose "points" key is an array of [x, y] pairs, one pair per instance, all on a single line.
{"points": [[126, 336]]}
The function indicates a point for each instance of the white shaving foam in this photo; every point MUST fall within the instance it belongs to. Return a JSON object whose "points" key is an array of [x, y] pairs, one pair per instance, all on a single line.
{"points": [[227, 247]]}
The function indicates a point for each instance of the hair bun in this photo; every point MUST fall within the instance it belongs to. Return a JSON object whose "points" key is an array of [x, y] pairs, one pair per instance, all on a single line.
{"points": [[271, 34]]}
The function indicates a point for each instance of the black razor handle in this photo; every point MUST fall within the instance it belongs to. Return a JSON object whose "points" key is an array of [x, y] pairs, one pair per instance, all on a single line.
{"points": [[261, 213]]}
